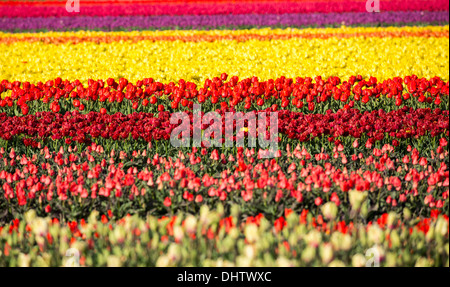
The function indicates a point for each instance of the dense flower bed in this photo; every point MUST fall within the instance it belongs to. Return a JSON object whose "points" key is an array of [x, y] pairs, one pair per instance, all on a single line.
{"points": [[239, 21], [219, 35], [208, 8], [299, 94], [69, 184], [196, 61], [377, 126], [358, 165]]}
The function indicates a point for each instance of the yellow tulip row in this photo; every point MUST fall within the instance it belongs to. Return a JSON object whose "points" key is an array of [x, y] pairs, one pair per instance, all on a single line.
{"points": [[262, 31], [166, 61]]}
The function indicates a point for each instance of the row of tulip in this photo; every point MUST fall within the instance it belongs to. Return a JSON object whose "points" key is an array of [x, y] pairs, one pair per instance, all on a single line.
{"points": [[170, 61], [222, 35], [358, 173], [226, 240], [240, 21], [299, 94], [70, 183], [111, 8], [397, 127]]}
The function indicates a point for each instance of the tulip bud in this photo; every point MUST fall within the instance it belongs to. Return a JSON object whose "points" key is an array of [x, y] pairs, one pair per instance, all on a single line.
{"points": [[406, 256], [43, 261], [163, 261], [329, 210], [313, 238], [309, 217], [152, 222], [375, 234], [24, 260], [362, 236], [284, 262], [226, 245], [264, 224], [249, 251], [221, 234], [30, 215], [204, 212], [364, 209], [391, 259], [336, 263], [406, 213], [240, 244], [174, 252], [220, 210], [442, 226], [430, 234], [264, 243], [395, 239], [40, 226], [235, 210], [404, 235], [346, 243], [113, 261], [79, 246], [392, 217], [423, 262], [178, 233], [234, 233], [190, 224], [63, 245], [335, 240], [374, 256], [251, 233], [308, 254], [291, 221], [119, 233], [358, 260], [243, 261], [93, 217], [357, 198]]}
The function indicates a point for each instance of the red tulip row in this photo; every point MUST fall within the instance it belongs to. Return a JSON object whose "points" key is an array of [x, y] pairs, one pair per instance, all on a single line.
{"points": [[405, 123], [71, 183], [249, 93]]}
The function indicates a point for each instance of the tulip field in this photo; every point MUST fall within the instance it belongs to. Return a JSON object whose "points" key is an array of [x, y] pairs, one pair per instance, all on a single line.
{"points": [[89, 174]]}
